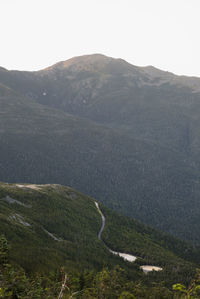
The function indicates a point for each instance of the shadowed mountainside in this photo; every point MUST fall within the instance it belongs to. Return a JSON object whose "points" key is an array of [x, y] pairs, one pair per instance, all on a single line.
{"points": [[127, 135]]}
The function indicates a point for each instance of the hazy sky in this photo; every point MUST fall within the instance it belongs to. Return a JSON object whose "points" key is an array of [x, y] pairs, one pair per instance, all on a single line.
{"points": [[164, 33]]}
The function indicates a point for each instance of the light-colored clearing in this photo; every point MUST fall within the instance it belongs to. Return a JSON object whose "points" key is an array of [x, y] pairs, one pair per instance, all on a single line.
{"points": [[125, 256], [31, 186], [18, 218], [10, 200], [52, 236], [148, 268]]}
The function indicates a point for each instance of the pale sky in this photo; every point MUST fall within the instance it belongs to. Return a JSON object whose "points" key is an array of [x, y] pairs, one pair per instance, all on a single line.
{"points": [[38, 33]]}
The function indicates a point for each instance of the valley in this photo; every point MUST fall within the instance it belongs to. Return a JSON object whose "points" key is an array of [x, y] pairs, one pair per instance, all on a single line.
{"points": [[126, 135], [126, 138]]}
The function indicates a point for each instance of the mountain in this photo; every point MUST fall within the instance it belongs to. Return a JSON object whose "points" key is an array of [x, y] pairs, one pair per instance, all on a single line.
{"points": [[123, 134], [49, 226]]}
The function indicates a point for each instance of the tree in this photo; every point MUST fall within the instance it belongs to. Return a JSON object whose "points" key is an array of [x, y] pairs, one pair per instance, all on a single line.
{"points": [[4, 249], [193, 291]]}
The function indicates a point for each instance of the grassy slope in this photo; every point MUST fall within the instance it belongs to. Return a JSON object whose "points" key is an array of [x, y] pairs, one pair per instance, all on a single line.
{"points": [[60, 211], [73, 217]]}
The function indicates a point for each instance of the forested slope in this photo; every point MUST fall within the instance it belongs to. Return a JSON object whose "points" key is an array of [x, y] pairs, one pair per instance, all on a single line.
{"points": [[52, 226], [123, 134]]}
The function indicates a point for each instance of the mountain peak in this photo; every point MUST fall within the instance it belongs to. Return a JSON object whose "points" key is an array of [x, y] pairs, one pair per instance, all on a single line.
{"points": [[81, 62], [91, 63]]}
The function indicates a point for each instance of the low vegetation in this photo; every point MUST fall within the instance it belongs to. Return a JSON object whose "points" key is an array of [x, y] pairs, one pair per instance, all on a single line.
{"points": [[111, 284]]}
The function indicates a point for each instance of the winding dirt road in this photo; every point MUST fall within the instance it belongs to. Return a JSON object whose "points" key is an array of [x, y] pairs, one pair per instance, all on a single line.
{"points": [[125, 256]]}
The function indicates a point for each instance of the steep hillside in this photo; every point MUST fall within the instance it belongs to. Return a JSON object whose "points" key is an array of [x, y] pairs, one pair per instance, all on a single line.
{"points": [[147, 103], [124, 134], [49, 226]]}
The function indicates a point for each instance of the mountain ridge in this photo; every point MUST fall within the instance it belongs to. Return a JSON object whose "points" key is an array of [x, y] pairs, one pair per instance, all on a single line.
{"points": [[129, 140], [94, 62]]}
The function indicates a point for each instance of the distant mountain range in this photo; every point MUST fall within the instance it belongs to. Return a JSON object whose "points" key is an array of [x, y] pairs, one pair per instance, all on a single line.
{"points": [[126, 135]]}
